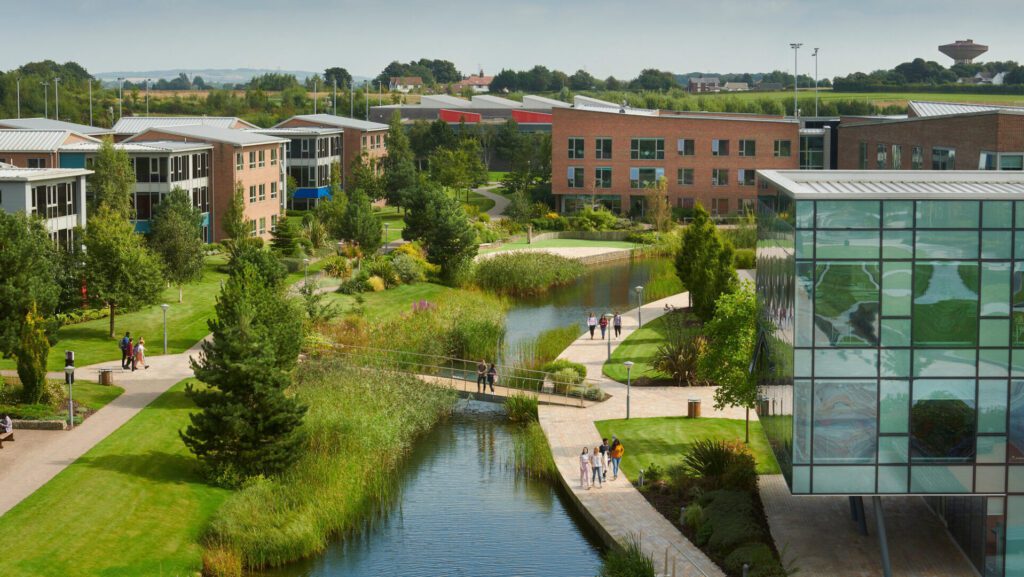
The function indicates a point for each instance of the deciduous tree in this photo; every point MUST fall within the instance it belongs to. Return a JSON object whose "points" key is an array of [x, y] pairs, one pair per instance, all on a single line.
{"points": [[113, 179], [176, 235], [732, 336]]}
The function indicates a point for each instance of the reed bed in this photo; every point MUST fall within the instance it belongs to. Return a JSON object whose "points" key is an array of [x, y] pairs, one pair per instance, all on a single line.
{"points": [[526, 273], [531, 455]]}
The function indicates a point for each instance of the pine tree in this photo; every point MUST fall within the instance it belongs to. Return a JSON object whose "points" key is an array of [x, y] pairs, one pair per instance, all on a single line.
{"points": [[284, 235], [399, 164], [31, 355], [704, 264], [448, 236], [236, 226], [247, 425], [360, 225], [176, 235]]}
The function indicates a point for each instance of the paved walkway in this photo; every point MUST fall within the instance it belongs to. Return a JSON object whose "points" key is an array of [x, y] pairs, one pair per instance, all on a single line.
{"points": [[618, 510], [500, 202], [37, 456]]}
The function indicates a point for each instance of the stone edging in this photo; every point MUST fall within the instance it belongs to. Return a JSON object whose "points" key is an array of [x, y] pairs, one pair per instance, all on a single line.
{"points": [[40, 425]]}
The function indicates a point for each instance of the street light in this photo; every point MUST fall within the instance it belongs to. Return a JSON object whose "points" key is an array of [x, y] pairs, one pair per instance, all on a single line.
{"points": [[796, 77], [305, 272], [120, 97], [386, 234], [18, 89], [165, 306], [815, 81], [629, 369], [639, 306], [46, 99], [148, 80], [69, 377], [56, 98], [314, 95]]}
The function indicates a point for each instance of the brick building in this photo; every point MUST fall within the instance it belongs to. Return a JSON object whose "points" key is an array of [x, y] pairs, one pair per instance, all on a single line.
{"points": [[56, 195], [358, 137], [129, 126], [311, 153], [986, 140], [612, 156], [25, 148], [52, 124], [256, 162]]}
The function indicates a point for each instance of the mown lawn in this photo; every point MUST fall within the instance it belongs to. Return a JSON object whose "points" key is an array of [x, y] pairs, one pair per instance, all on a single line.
{"points": [[94, 395], [661, 440], [133, 505], [395, 220], [390, 303], [640, 347], [186, 324]]}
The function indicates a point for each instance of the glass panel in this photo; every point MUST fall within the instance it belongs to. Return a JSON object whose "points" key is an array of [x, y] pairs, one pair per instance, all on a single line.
{"points": [[995, 289], [945, 304], [847, 244], [990, 479], [896, 293], [944, 363], [846, 304], [897, 244], [895, 332], [1014, 534], [804, 289], [895, 363], [805, 244], [997, 213], [993, 362], [856, 480], [942, 423], [991, 406], [802, 402], [994, 333], [1019, 220], [1017, 328], [947, 244], [1015, 479], [802, 363], [892, 479], [892, 449], [804, 214], [844, 422], [848, 213], [996, 244], [845, 362], [895, 399], [1016, 448], [941, 479], [899, 214], [991, 450], [801, 480], [947, 214], [1017, 363]]}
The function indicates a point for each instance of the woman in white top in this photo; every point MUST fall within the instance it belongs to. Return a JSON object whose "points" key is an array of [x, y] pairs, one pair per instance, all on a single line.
{"points": [[140, 354], [591, 324], [595, 467], [584, 469]]}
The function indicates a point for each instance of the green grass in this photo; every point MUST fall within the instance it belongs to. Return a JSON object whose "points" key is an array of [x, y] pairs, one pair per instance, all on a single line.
{"points": [[395, 220], [474, 200], [561, 243], [390, 303], [640, 347], [186, 324], [133, 505], [496, 175], [94, 395], [661, 440]]}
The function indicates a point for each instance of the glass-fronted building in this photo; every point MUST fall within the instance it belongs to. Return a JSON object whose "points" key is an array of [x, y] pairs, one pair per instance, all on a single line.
{"points": [[893, 343]]}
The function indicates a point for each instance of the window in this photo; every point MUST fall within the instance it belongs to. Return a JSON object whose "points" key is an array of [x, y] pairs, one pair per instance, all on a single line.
{"points": [[647, 149], [239, 164], [684, 176], [252, 228], [576, 148], [252, 194], [263, 192], [719, 147], [897, 156], [916, 158], [686, 203], [576, 177], [273, 223], [881, 156], [862, 156], [783, 148], [603, 148], [273, 157], [719, 176], [273, 190], [263, 225], [364, 141], [644, 177], [36, 163], [943, 158], [748, 148], [994, 161], [685, 146], [603, 177], [263, 162], [812, 152], [252, 159], [745, 176], [719, 206]]}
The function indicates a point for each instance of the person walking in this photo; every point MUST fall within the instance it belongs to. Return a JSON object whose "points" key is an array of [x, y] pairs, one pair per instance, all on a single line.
{"points": [[492, 376], [584, 469], [139, 359], [126, 350], [595, 467], [604, 459], [481, 376], [617, 324], [591, 324], [603, 323], [616, 450]]}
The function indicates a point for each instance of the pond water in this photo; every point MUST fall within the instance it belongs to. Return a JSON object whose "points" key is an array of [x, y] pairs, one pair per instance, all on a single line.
{"points": [[463, 511]]}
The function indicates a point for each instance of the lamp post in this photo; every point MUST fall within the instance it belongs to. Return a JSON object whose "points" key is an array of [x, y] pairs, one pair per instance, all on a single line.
{"points": [[314, 95], [629, 369], [120, 97], [639, 306], [46, 99], [815, 81], [165, 306], [386, 237], [17, 85], [69, 377], [148, 80], [796, 77], [305, 272], [56, 98]]}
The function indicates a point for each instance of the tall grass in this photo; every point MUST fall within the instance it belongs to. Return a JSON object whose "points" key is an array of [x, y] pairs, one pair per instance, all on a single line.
{"points": [[526, 359], [521, 408], [630, 561], [526, 273], [531, 455], [663, 282], [360, 426]]}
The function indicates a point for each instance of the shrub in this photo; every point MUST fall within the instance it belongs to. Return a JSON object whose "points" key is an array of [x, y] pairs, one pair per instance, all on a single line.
{"points": [[630, 561], [590, 219], [521, 408], [526, 273], [337, 266], [679, 358], [718, 464], [694, 516], [376, 284], [562, 379], [483, 217], [357, 284], [744, 258], [382, 268], [485, 234], [653, 473], [758, 556], [408, 269], [559, 364], [731, 521]]}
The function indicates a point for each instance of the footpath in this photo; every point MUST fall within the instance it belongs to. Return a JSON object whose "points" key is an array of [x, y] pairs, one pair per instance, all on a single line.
{"points": [[618, 511]]}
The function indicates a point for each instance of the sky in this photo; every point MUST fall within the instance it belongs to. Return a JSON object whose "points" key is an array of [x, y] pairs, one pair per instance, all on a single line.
{"points": [[601, 36]]}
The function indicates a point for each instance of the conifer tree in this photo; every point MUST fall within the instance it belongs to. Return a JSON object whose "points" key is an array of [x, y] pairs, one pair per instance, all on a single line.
{"points": [[704, 264], [360, 225]]}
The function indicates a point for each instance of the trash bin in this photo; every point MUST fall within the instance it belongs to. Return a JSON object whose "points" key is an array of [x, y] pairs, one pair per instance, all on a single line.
{"points": [[693, 408], [106, 376]]}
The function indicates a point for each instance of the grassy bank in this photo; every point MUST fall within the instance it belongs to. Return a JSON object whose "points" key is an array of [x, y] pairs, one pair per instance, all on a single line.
{"points": [[359, 427], [522, 274], [133, 505], [388, 304], [661, 440], [640, 347]]}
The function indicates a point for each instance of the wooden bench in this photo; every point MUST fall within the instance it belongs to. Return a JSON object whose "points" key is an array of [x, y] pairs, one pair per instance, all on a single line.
{"points": [[9, 437]]}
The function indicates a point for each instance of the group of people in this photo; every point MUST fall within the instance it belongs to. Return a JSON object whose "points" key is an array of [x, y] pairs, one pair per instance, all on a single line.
{"points": [[485, 375], [594, 464], [133, 354], [593, 323]]}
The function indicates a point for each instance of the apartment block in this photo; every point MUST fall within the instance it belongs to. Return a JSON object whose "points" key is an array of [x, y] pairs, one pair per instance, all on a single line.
{"points": [[57, 195], [358, 137], [254, 162], [52, 124], [311, 152], [613, 156], [129, 126], [29, 148]]}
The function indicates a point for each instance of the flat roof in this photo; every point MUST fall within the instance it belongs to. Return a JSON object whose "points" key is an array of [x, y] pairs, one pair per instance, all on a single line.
{"points": [[897, 184], [735, 116], [214, 133], [137, 124], [339, 121], [51, 124], [150, 146], [32, 174], [25, 140]]}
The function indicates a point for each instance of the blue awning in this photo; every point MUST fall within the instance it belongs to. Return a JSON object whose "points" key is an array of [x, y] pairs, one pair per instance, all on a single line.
{"points": [[313, 193]]}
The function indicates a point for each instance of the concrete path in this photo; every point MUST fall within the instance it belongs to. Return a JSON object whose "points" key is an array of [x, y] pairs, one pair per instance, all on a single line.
{"points": [[500, 202], [618, 510], [37, 456]]}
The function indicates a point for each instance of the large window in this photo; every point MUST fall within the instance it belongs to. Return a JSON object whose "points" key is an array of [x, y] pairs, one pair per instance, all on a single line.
{"points": [[719, 176], [943, 158], [239, 163], [783, 148], [576, 177], [685, 146], [252, 159], [684, 176], [36, 163], [647, 149], [916, 158], [747, 148], [645, 177], [603, 177], [1003, 161], [603, 148], [862, 156], [719, 147], [745, 176], [252, 194], [881, 156], [719, 206], [812, 152], [942, 421], [897, 156], [576, 148]]}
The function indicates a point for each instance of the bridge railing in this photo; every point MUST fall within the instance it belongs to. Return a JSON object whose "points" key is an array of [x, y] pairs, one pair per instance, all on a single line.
{"points": [[462, 373]]}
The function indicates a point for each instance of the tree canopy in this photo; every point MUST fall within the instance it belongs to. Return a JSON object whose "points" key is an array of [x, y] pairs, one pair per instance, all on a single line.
{"points": [[732, 336], [704, 264], [176, 235]]}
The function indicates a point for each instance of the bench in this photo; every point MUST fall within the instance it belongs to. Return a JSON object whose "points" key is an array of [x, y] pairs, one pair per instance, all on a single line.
{"points": [[9, 437]]}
